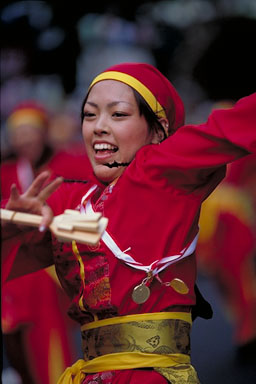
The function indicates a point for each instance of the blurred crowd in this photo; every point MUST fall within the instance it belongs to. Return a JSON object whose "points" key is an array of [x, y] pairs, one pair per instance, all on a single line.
{"points": [[46, 66], [226, 249]]}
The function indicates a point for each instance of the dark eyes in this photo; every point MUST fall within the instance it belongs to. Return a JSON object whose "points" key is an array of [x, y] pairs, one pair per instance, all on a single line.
{"points": [[91, 114], [88, 114], [119, 114]]}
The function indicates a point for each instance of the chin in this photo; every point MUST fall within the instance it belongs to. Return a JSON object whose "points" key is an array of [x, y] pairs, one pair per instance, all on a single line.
{"points": [[106, 175]]}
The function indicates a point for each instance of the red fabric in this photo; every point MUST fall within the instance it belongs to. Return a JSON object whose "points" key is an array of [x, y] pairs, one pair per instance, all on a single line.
{"points": [[236, 274], [123, 377], [31, 105], [158, 84], [36, 304], [242, 172], [16, 256], [74, 166], [69, 165]]}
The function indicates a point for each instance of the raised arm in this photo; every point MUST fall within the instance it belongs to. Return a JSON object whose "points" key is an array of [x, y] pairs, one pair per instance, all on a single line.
{"points": [[197, 153], [228, 133]]}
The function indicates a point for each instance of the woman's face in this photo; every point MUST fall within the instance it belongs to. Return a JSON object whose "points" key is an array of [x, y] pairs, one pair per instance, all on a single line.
{"points": [[113, 129]]}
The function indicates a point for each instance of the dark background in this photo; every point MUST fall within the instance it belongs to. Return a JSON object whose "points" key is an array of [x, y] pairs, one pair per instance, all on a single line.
{"points": [[225, 67]]}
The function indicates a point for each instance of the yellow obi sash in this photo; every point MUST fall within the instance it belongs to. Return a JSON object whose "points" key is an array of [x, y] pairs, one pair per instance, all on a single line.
{"points": [[153, 340]]}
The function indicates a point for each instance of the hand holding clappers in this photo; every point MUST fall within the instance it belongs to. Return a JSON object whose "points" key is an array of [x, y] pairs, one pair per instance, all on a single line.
{"points": [[71, 225]]}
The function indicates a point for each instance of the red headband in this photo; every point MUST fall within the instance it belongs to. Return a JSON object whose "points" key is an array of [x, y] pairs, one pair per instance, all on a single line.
{"points": [[152, 85]]}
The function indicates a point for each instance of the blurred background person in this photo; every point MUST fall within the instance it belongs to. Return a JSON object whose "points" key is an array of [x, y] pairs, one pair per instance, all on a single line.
{"points": [[227, 249], [64, 135], [39, 340]]}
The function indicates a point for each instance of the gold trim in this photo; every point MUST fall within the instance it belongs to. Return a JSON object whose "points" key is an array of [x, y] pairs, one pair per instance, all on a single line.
{"points": [[82, 273], [185, 316]]}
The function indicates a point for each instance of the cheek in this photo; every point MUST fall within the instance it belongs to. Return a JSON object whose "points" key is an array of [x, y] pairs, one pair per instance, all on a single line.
{"points": [[85, 134], [138, 138], [87, 144], [83, 130]]}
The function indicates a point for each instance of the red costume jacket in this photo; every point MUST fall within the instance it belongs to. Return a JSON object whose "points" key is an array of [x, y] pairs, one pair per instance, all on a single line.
{"points": [[154, 207]]}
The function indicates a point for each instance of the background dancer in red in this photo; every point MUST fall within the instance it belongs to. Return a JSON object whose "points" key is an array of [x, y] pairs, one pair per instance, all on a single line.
{"points": [[34, 306], [227, 251]]}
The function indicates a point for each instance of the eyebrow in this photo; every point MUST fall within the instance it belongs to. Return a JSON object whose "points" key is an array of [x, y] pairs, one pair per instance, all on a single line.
{"points": [[112, 104]]}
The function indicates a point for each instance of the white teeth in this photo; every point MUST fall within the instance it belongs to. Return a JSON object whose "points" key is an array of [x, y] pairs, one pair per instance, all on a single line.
{"points": [[104, 146]]}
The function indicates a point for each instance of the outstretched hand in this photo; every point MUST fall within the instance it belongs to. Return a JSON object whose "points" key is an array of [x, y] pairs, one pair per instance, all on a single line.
{"points": [[33, 200]]}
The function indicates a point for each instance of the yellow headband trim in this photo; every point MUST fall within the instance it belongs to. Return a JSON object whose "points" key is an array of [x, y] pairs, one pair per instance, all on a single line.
{"points": [[137, 85], [26, 116]]}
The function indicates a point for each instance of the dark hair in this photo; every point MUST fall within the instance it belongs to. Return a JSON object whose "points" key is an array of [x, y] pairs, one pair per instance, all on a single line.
{"points": [[144, 109], [82, 108], [150, 116]]}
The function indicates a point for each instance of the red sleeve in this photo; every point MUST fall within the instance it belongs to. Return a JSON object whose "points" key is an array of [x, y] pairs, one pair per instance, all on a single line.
{"points": [[8, 175], [67, 196], [227, 135], [197, 154], [25, 253]]}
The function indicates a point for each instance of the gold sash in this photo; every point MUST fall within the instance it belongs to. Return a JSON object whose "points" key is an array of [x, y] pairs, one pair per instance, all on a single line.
{"points": [[157, 340]]}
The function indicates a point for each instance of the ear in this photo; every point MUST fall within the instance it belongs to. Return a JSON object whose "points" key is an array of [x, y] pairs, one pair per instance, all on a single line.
{"points": [[165, 124], [159, 135]]}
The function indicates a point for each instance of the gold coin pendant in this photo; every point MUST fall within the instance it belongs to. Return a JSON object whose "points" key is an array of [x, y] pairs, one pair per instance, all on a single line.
{"points": [[140, 293], [179, 286]]}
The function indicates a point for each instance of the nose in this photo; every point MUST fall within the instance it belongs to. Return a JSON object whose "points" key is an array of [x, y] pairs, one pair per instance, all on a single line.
{"points": [[101, 126]]}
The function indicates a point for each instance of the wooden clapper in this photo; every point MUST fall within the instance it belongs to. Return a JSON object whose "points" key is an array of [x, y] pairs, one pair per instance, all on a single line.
{"points": [[71, 225]]}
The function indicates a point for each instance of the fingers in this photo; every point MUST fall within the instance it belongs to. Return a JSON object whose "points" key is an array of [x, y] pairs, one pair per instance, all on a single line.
{"points": [[37, 184], [47, 216], [38, 190], [14, 193], [46, 210], [50, 188], [14, 196]]}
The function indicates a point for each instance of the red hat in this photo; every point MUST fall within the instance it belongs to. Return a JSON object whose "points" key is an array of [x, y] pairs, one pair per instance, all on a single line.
{"points": [[152, 85]]}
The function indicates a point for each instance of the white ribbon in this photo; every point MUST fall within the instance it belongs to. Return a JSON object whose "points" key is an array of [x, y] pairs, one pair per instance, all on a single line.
{"points": [[88, 193], [154, 268]]}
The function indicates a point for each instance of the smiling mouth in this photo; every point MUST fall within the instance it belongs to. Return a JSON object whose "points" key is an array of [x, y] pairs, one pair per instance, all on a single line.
{"points": [[105, 148]]}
